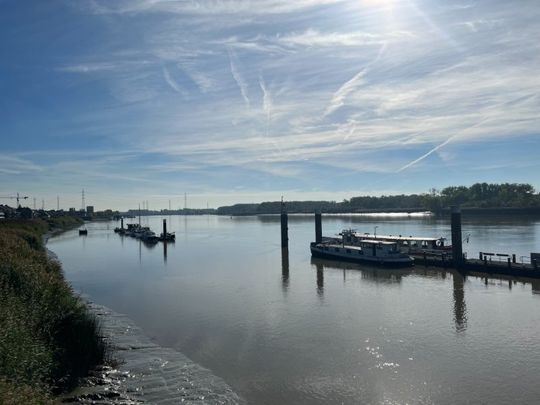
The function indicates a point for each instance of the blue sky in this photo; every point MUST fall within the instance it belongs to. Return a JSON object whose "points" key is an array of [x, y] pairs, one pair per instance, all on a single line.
{"points": [[244, 101]]}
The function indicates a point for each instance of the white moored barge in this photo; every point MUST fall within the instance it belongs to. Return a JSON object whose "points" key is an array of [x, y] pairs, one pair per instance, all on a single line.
{"points": [[364, 251], [413, 245]]}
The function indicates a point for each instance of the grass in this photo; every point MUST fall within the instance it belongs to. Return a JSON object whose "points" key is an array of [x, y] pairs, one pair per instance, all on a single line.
{"points": [[13, 394], [48, 339]]}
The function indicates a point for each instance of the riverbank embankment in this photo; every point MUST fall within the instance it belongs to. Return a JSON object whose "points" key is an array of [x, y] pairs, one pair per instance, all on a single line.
{"points": [[48, 338], [144, 372]]}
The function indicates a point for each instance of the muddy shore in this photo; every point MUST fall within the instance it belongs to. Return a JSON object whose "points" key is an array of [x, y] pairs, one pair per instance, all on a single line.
{"points": [[143, 372]]}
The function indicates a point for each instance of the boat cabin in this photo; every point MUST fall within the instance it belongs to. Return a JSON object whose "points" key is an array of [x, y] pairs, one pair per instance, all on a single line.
{"points": [[404, 243]]}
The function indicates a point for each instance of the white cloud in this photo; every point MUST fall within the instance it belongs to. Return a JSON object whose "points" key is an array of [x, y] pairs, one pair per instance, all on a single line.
{"points": [[205, 7], [477, 25], [13, 164], [315, 38], [204, 82], [89, 67]]}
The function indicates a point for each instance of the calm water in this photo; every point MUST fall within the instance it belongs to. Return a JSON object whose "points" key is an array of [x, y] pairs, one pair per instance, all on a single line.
{"points": [[292, 329]]}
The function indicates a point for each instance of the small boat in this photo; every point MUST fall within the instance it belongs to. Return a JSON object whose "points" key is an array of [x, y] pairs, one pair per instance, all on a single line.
{"points": [[83, 231], [167, 237], [132, 229], [148, 236], [365, 251]]}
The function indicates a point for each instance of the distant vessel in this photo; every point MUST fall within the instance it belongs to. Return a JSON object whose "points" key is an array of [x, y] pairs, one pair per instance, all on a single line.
{"points": [[83, 231], [148, 236], [364, 251], [167, 237], [145, 234], [131, 230]]}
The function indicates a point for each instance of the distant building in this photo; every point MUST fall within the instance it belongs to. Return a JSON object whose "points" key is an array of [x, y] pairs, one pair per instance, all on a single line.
{"points": [[24, 212], [90, 209], [8, 211], [72, 210]]}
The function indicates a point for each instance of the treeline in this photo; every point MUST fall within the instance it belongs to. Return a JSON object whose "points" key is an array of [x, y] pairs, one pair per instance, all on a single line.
{"points": [[48, 339], [274, 207], [479, 195]]}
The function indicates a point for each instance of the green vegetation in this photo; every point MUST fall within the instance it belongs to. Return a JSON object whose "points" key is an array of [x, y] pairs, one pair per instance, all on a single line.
{"points": [[48, 339], [483, 195], [479, 195]]}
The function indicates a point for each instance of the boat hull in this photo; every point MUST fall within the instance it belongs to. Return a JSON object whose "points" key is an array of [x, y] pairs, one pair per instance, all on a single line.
{"points": [[318, 251]]}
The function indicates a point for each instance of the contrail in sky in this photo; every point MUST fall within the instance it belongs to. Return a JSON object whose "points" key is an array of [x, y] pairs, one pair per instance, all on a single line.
{"points": [[436, 148], [463, 131], [267, 107], [338, 99], [238, 77], [171, 82]]}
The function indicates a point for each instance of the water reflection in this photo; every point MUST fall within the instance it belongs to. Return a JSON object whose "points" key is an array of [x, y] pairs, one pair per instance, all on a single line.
{"points": [[149, 245], [164, 252], [368, 273], [535, 286], [320, 279], [460, 308], [395, 276], [285, 268], [384, 275]]}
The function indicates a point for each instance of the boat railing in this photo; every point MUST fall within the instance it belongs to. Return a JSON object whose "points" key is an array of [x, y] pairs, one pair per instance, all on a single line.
{"points": [[525, 259]]}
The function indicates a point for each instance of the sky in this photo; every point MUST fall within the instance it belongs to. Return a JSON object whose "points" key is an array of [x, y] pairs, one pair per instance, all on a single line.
{"points": [[233, 101]]}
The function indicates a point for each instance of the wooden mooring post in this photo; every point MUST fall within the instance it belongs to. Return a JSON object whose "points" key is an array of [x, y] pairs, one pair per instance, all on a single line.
{"points": [[122, 223], [285, 267], [284, 227], [164, 228], [318, 227], [457, 244]]}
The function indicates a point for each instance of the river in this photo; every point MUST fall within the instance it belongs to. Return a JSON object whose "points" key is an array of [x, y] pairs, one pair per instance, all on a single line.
{"points": [[286, 328]]}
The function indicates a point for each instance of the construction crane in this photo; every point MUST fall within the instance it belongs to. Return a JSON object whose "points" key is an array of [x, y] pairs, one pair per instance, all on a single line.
{"points": [[16, 197]]}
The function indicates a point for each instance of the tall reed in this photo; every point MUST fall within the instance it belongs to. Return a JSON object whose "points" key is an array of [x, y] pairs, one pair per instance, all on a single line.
{"points": [[48, 338]]}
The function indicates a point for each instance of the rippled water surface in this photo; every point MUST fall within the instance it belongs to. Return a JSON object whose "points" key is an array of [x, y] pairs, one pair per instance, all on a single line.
{"points": [[286, 328]]}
